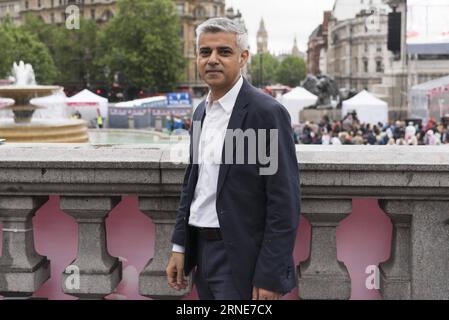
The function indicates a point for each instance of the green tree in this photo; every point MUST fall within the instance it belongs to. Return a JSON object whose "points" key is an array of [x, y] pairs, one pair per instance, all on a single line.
{"points": [[6, 42], [143, 46], [19, 44], [269, 69], [291, 71], [79, 61], [73, 51], [35, 24]]}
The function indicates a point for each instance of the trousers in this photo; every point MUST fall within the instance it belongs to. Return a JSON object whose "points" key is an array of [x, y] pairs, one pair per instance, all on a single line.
{"points": [[213, 275]]}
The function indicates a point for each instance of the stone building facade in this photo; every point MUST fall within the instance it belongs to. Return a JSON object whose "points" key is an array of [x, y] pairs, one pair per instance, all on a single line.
{"points": [[317, 46], [10, 8], [409, 67], [357, 54], [54, 11]]}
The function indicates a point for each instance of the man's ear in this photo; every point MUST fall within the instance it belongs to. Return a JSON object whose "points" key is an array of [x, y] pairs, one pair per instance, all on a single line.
{"points": [[244, 56]]}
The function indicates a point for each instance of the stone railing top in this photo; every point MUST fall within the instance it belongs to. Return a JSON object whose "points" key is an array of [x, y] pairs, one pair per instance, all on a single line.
{"points": [[337, 171], [80, 156], [434, 158], [373, 158]]}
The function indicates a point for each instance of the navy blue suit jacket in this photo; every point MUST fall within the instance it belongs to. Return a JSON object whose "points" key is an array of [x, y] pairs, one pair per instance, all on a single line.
{"points": [[258, 214]]}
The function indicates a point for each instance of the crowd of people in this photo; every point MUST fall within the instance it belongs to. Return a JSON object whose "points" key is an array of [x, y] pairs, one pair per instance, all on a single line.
{"points": [[351, 131]]}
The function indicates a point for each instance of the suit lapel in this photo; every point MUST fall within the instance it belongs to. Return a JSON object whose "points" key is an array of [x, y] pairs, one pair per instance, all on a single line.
{"points": [[199, 115], [235, 122]]}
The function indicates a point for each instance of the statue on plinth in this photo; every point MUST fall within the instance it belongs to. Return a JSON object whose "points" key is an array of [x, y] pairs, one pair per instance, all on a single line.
{"points": [[324, 87]]}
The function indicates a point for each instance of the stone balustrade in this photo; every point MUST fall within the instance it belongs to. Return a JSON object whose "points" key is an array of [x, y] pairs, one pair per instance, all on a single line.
{"points": [[410, 183]]}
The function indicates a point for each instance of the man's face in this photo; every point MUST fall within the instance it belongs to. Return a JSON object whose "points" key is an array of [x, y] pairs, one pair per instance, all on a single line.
{"points": [[219, 59]]}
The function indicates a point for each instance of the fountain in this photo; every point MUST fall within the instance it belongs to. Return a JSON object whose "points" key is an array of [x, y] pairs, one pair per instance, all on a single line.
{"points": [[21, 128]]}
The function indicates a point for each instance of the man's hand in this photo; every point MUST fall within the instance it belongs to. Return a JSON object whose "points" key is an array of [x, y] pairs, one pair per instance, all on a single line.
{"points": [[175, 271], [262, 294]]}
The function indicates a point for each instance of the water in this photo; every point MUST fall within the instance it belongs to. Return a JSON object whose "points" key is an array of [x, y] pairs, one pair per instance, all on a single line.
{"points": [[108, 136]]}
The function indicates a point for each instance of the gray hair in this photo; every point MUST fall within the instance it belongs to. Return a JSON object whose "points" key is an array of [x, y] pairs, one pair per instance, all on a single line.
{"points": [[224, 25]]}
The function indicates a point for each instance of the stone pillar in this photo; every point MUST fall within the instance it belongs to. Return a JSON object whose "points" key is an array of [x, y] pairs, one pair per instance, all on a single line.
{"points": [[22, 269], [419, 261], [322, 276], [153, 279], [99, 272]]}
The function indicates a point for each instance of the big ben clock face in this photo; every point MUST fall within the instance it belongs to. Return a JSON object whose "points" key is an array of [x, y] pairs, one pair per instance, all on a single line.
{"points": [[260, 39]]}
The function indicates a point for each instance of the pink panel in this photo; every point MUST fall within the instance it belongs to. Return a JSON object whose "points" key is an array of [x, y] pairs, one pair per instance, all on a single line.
{"points": [[55, 235], [363, 239]]}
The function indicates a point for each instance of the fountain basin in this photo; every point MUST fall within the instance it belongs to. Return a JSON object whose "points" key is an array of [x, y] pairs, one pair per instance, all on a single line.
{"points": [[45, 131]]}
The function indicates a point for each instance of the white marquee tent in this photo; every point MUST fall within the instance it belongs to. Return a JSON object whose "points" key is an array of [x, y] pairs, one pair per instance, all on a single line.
{"points": [[369, 108], [296, 100], [87, 103], [430, 99]]}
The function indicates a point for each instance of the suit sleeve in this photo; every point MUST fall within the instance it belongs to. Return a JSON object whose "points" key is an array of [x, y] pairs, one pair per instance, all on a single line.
{"points": [[273, 266], [178, 236]]}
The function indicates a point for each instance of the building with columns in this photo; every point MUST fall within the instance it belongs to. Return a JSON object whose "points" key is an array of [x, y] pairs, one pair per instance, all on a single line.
{"points": [[317, 46], [357, 54], [10, 8], [54, 11], [412, 64], [393, 87]]}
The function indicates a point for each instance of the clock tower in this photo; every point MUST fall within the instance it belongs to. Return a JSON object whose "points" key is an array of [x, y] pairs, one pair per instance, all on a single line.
{"points": [[262, 38]]}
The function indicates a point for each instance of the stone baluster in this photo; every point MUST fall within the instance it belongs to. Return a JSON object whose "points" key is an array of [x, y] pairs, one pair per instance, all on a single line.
{"points": [[153, 279], [94, 273], [22, 269], [322, 276], [395, 272], [419, 261]]}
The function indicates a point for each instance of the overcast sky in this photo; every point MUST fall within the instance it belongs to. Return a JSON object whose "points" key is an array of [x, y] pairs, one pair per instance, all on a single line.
{"points": [[286, 18]]}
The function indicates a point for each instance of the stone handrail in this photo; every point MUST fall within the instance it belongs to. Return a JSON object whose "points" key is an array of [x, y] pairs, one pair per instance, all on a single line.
{"points": [[410, 183]]}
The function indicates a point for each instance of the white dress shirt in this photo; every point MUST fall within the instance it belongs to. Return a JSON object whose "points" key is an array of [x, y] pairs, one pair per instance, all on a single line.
{"points": [[203, 212]]}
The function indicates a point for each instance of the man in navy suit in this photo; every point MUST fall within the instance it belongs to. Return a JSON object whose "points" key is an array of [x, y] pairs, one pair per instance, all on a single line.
{"points": [[238, 215]]}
